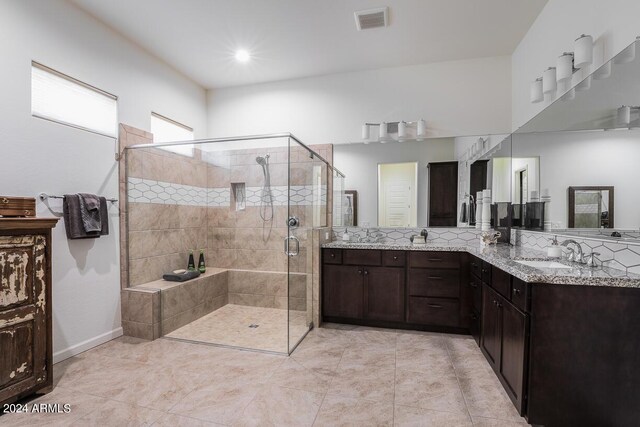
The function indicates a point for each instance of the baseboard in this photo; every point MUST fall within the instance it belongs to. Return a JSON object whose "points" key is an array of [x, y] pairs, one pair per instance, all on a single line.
{"points": [[61, 355]]}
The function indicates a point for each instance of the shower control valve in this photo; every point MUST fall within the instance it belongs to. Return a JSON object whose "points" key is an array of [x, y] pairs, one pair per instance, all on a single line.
{"points": [[293, 222]]}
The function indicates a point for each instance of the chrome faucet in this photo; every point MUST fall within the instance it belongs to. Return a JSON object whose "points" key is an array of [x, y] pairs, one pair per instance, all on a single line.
{"points": [[370, 237], [575, 256]]}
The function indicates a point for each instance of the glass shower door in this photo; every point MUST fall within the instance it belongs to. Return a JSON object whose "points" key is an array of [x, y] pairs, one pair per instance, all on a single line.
{"points": [[306, 211]]}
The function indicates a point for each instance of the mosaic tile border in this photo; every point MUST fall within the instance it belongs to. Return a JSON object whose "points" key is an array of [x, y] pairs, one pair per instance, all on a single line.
{"points": [[167, 193]]}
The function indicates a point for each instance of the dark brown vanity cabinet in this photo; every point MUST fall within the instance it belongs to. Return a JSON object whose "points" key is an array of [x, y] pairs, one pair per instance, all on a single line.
{"points": [[365, 285], [504, 336]]}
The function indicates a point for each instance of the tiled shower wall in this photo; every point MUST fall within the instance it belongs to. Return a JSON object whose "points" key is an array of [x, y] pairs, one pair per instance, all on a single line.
{"points": [[614, 254], [177, 203]]}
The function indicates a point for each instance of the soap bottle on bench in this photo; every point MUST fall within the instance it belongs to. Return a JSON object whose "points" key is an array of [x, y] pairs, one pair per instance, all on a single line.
{"points": [[201, 267], [554, 251], [191, 265]]}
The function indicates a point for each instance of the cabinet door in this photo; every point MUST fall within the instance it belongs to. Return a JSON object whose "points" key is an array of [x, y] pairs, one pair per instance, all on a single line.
{"points": [[514, 341], [490, 340], [384, 293], [343, 291], [23, 334], [443, 202]]}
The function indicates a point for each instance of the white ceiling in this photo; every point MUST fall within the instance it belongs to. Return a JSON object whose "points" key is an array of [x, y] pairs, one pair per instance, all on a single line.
{"points": [[299, 38]]}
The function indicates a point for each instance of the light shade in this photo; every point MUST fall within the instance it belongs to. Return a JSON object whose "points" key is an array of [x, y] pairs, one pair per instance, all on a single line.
{"points": [[564, 67], [421, 128], [623, 117], [585, 84], [627, 55], [603, 72], [549, 83], [402, 129], [571, 94], [383, 134], [583, 48], [365, 131], [536, 94]]}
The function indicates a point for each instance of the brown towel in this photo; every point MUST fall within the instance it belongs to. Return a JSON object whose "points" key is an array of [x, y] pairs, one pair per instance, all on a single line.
{"points": [[73, 218]]}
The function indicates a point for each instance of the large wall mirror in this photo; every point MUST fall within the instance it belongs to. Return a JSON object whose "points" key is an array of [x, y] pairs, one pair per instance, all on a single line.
{"points": [[588, 144]]}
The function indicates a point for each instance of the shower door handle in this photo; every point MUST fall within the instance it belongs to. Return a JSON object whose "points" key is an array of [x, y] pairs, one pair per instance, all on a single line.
{"points": [[287, 247]]}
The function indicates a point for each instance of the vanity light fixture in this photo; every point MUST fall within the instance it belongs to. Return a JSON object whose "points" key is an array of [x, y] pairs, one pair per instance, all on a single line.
{"points": [[583, 48], [549, 84], [383, 133], [603, 72], [402, 130], [365, 132], [585, 84], [565, 68], [401, 127], [571, 94], [623, 116], [536, 94], [421, 130]]}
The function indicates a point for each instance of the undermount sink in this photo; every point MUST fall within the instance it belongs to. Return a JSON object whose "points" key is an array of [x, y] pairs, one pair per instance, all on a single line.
{"points": [[544, 264]]}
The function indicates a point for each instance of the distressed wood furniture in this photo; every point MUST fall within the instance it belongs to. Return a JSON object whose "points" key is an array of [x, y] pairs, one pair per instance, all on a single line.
{"points": [[17, 206], [26, 353]]}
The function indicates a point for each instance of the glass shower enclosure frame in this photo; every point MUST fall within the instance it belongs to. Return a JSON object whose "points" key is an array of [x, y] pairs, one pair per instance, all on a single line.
{"points": [[250, 203]]}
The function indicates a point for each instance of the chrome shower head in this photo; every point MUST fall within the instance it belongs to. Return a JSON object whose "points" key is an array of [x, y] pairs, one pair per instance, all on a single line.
{"points": [[262, 161]]}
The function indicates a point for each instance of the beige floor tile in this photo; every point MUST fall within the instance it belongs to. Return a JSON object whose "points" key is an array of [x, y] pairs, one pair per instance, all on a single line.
{"points": [[173, 420], [344, 411], [221, 402], [427, 342], [279, 406], [368, 383], [485, 397], [492, 422], [314, 353], [406, 416], [292, 374], [118, 414], [423, 360], [471, 365], [436, 391], [371, 357]]}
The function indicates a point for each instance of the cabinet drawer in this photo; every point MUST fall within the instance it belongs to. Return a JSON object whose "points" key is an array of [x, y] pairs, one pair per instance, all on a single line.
{"points": [[476, 267], [332, 256], [501, 281], [393, 258], [434, 259], [519, 294], [362, 257], [434, 311], [476, 293], [486, 272], [434, 283]]}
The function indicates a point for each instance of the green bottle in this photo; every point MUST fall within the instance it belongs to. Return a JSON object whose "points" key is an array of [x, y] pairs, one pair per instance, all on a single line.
{"points": [[191, 266], [201, 267]]}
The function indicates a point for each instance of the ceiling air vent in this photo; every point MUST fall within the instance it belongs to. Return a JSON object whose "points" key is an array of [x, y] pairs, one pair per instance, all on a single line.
{"points": [[372, 18]]}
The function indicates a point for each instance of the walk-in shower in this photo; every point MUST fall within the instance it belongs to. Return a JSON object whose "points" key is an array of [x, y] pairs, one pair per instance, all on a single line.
{"points": [[257, 293]]}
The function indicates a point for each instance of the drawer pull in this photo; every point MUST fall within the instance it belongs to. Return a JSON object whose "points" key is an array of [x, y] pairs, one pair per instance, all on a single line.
{"points": [[474, 265], [435, 305], [435, 259], [434, 277], [473, 316], [366, 272], [395, 258], [473, 284], [516, 291], [359, 271], [5, 200], [485, 271], [333, 255]]}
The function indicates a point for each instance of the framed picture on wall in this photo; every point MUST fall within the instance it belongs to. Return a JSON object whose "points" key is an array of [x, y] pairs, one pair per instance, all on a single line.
{"points": [[350, 204]]}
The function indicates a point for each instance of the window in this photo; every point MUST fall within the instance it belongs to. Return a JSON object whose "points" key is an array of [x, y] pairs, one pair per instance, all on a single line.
{"points": [[63, 99], [167, 130]]}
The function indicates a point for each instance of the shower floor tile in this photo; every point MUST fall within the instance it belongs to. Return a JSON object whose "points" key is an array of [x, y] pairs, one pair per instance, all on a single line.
{"points": [[247, 327]]}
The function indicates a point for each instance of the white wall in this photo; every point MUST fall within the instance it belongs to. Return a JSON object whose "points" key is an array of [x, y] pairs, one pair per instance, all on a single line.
{"points": [[613, 24], [587, 159], [38, 155], [455, 98], [360, 162]]}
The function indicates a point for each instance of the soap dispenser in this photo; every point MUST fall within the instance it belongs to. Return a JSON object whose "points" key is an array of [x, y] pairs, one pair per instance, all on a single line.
{"points": [[554, 251], [345, 235]]}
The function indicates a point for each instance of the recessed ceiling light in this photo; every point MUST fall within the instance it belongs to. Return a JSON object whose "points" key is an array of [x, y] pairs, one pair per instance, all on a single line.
{"points": [[242, 55]]}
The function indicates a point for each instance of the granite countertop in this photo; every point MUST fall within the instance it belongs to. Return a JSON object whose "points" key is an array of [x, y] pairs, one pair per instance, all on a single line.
{"points": [[505, 258]]}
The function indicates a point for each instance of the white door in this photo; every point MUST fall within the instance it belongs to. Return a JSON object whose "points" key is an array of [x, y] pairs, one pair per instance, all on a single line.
{"points": [[397, 195]]}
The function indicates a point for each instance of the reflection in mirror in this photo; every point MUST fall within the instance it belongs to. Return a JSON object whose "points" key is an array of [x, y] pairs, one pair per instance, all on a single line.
{"points": [[591, 207], [397, 194], [350, 203]]}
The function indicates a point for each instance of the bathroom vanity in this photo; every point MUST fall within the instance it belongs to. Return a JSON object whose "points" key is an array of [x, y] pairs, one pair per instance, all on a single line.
{"points": [[563, 342]]}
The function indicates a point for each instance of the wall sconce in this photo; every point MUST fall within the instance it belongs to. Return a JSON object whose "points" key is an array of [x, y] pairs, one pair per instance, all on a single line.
{"points": [[583, 48], [536, 94], [565, 68], [623, 116], [402, 127], [549, 83]]}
